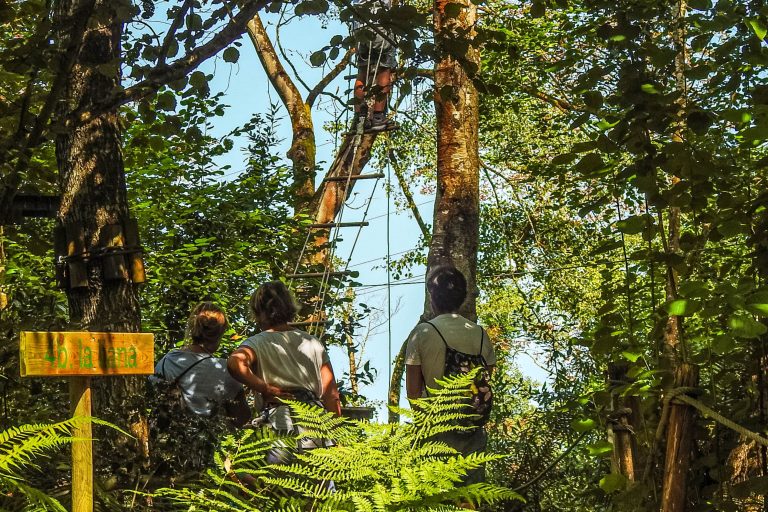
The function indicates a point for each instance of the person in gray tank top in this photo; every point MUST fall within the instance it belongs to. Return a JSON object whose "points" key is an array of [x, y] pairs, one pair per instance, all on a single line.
{"points": [[202, 378]]}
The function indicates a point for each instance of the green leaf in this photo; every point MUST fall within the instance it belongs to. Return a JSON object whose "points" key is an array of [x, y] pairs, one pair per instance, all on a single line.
{"points": [[649, 89], [198, 80], [166, 101], [744, 326], [633, 225], [453, 9], [590, 163], [538, 9], [755, 133], [757, 303], [194, 22], [317, 59], [723, 344], [583, 424], [599, 448], [563, 159], [631, 356], [700, 5], [231, 54], [758, 309], [613, 482], [593, 99], [757, 25], [682, 307]]}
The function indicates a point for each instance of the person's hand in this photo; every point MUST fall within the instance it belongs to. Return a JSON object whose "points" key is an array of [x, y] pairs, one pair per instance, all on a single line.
{"points": [[272, 392]]}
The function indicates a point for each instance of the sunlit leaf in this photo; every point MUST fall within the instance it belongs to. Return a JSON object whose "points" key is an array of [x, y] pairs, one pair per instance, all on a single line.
{"points": [[613, 482]]}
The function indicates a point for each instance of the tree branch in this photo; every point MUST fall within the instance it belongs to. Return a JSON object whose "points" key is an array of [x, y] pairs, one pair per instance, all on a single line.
{"points": [[76, 39], [278, 77], [283, 54], [564, 105], [327, 79], [407, 193], [162, 75], [177, 22], [23, 142]]}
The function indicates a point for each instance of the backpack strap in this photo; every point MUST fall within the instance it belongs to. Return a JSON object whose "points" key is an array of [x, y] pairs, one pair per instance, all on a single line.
{"points": [[177, 379], [482, 338], [438, 332]]}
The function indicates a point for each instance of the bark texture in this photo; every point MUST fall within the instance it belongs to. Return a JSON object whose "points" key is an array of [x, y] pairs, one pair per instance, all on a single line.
{"points": [[621, 430], [93, 197], [680, 432], [457, 212], [302, 152], [455, 231]]}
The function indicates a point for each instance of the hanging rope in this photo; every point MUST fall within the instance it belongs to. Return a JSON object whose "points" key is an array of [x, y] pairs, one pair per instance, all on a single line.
{"points": [[389, 274]]}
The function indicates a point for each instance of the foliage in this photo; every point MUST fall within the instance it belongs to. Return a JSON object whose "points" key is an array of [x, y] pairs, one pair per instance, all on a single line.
{"points": [[20, 447], [211, 233], [372, 467]]}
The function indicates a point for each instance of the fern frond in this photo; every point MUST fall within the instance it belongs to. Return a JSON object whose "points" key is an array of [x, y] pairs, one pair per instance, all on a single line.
{"points": [[301, 486], [482, 493], [35, 498]]}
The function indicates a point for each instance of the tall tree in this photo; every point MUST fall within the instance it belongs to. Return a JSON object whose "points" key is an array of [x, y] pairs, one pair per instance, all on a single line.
{"points": [[456, 215], [94, 210]]}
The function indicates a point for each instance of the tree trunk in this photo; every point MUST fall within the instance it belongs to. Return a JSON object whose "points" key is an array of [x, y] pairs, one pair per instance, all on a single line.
{"points": [[455, 231], [680, 427], [93, 208], [303, 150], [680, 432], [620, 428]]}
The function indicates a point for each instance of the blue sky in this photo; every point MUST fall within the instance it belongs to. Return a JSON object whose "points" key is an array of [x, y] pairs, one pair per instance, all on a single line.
{"points": [[247, 92]]}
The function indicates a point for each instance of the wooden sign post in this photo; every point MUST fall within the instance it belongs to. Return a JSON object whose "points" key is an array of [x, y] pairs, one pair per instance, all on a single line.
{"points": [[80, 356]]}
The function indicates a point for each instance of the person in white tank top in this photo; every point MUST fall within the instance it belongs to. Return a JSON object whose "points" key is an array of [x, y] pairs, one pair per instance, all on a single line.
{"points": [[283, 362]]}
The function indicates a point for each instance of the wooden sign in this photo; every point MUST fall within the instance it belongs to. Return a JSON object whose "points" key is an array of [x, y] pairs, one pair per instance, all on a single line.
{"points": [[61, 354]]}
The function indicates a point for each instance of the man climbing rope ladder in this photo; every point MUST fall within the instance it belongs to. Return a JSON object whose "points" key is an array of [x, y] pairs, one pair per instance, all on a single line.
{"points": [[376, 59]]}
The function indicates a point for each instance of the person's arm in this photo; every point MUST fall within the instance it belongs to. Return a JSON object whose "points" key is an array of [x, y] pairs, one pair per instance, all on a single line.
{"points": [[330, 397], [240, 365], [237, 410], [414, 381]]}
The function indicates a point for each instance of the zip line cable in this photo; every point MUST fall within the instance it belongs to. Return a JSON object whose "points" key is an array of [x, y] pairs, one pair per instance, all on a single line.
{"points": [[389, 275]]}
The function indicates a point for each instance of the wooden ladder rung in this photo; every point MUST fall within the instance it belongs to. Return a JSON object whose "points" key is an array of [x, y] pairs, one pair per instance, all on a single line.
{"points": [[311, 275], [355, 177], [328, 225]]}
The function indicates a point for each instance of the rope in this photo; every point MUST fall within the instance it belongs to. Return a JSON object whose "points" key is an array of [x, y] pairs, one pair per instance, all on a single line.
{"points": [[681, 395]]}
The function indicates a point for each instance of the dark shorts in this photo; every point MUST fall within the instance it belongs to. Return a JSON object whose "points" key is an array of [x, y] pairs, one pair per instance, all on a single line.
{"points": [[375, 52], [467, 444]]}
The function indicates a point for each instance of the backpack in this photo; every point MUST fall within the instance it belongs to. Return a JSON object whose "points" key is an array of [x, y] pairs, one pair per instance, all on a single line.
{"points": [[181, 441], [480, 401]]}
